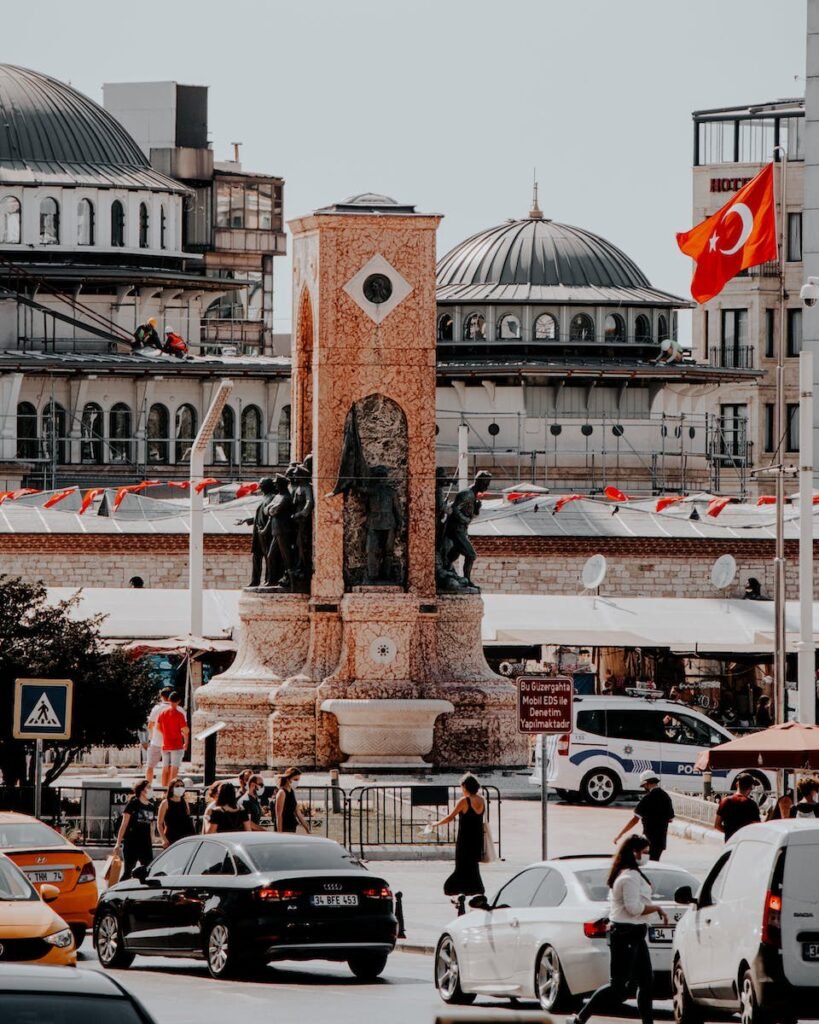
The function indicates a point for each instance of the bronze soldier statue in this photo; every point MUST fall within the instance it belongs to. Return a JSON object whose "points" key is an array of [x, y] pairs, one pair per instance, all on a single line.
{"points": [[303, 504], [279, 510], [383, 518], [261, 531], [464, 509]]}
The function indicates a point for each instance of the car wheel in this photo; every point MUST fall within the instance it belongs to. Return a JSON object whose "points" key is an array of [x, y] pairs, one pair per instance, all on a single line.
{"points": [[550, 984], [448, 974], [685, 1009], [599, 787], [750, 1012], [109, 943], [79, 932], [219, 951], [367, 966]]}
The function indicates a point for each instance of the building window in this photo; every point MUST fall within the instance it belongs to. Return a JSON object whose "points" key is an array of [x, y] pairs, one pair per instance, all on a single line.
{"points": [[266, 207], [27, 447], [794, 237], [117, 224], [794, 332], [119, 433], [770, 335], [792, 432], [615, 327], [251, 436], [642, 329], [284, 435], [10, 221], [733, 421], [662, 327], [49, 222], [163, 228], [733, 354], [91, 433], [55, 433], [475, 327], [143, 226], [581, 328], [769, 427], [508, 327], [545, 328], [85, 222], [446, 327], [157, 434], [223, 436], [185, 431]]}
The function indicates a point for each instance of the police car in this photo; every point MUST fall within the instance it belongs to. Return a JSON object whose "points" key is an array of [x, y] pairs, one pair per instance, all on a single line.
{"points": [[616, 738]]}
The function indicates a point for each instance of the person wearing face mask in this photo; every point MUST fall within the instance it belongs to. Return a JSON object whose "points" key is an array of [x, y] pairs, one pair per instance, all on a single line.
{"points": [[174, 819], [135, 837], [630, 907], [250, 801], [288, 814]]}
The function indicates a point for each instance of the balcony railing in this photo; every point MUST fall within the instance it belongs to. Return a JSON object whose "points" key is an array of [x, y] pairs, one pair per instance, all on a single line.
{"points": [[246, 336], [734, 358]]}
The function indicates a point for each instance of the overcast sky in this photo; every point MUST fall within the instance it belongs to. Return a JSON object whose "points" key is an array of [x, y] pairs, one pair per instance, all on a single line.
{"points": [[448, 104]]}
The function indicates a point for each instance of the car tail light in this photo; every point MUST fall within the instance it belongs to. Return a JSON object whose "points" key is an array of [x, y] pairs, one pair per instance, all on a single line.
{"points": [[277, 895], [563, 744], [596, 929], [88, 873], [772, 920], [382, 893]]}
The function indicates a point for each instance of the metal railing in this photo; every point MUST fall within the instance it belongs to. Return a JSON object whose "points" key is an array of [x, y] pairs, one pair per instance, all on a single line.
{"points": [[732, 358]]}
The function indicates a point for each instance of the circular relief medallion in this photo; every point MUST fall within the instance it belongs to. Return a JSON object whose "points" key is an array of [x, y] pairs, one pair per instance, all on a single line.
{"points": [[377, 288], [383, 650]]}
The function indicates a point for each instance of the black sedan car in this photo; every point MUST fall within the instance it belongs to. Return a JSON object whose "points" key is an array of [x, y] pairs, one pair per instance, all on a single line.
{"points": [[65, 995], [242, 899]]}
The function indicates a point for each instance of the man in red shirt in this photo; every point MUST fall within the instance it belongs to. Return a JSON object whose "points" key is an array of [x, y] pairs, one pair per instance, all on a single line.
{"points": [[738, 810], [172, 725]]}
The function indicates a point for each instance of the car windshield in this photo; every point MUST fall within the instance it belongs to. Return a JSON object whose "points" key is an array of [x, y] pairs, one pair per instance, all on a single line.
{"points": [[299, 857], [59, 1008], [14, 885], [664, 882], [29, 833]]}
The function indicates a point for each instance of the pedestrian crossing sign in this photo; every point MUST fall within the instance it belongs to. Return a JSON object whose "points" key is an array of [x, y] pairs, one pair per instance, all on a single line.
{"points": [[42, 709]]}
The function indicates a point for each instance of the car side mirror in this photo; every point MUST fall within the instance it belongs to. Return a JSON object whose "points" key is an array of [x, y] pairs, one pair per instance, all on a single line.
{"points": [[684, 895], [141, 874], [49, 893], [479, 903]]}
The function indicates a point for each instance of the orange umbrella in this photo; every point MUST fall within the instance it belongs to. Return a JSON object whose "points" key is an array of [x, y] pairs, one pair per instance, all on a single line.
{"points": [[791, 745]]}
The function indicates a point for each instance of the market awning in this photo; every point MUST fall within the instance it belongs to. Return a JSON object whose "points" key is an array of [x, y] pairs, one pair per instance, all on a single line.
{"points": [[792, 745]]}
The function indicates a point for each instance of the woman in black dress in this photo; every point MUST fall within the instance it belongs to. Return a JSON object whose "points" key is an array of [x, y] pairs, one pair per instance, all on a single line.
{"points": [[174, 819], [225, 816], [466, 879], [287, 814]]}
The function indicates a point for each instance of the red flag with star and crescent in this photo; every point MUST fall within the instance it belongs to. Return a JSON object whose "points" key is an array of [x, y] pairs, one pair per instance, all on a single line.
{"points": [[740, 235]]}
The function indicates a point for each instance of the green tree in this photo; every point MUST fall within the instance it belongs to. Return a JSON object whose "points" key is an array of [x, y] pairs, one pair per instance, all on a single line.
{"points": [[112, 693]]}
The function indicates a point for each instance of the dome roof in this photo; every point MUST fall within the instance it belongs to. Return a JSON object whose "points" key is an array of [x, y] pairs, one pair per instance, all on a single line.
{"points": [[52, 134], [539, 260]]}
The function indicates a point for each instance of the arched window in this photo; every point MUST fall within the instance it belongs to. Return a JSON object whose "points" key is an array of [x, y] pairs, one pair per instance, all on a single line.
{"points": [[642, 328], [55, 433], [10, 221], [49, 221], [508, 327], [163, 228], [251, 436], [284, 435], [185, 431], [85, 222], [91, 432], [662, 328], [615, 327], [475, 327], [545, 328], [157, 433], [27, 447], [223, 436], [581, 328], [119, 432], [446, 327], [117, 224], [143, 226]]}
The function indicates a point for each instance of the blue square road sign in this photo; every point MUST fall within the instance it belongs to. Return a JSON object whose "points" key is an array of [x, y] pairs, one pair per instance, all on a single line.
{"points": [[42, 709]]}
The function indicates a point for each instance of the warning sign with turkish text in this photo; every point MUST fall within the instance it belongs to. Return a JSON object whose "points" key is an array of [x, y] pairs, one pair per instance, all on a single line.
{"points": [[545, 704]]}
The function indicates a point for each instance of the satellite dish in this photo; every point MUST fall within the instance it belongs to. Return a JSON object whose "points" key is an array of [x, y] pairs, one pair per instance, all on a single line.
{"points": [[724, 572], [594, 572]]}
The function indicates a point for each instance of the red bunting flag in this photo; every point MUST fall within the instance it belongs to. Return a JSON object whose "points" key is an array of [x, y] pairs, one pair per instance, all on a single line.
{"points": [[614, 494], [207, 482], [741, 234], [89, 496], [58, 497], [245, 489], [12, 495], [671, 499], [183, 484], [565, 500], [766, 499], [716, 505]]}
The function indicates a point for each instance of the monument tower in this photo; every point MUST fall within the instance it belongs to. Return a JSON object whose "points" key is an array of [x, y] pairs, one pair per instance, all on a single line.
{"points": [[373, 666]]}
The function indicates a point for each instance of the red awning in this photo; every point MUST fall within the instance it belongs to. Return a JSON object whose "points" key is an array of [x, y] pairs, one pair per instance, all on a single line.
{"points": [[791, 745]]}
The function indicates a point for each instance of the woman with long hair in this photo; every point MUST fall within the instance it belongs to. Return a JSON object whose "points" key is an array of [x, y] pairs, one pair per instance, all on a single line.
{"points": [[286, 808], [135, 837], [466, 879], [174, 819], [630, 907], [225, 815]]}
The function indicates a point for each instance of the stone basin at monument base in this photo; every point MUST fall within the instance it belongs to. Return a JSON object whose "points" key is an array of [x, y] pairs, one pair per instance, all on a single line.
{"points": [[380, 733]]}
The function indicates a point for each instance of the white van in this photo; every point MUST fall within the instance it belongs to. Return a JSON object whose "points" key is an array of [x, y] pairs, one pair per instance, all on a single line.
{"points": [[616, 738], [749, 943]]}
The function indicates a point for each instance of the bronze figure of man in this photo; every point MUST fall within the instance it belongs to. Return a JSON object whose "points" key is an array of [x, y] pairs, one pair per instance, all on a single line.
{"points": [[383, 518], [465, 508], [282, 534], [261, 531]]}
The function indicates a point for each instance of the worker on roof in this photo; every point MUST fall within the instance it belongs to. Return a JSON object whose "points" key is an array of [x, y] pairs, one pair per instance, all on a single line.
{"points": [[145, 336]]}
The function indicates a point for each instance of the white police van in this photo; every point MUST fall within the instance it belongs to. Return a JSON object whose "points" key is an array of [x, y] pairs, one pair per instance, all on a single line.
{"points": [[616, 738]]}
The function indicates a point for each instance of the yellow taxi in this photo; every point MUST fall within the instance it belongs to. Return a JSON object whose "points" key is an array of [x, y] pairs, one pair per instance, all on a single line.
{"points": [[30, 931], [48, 858]]}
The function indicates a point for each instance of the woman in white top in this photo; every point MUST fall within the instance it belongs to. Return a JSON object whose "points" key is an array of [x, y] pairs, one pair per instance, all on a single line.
{"points": [[630, 908]]}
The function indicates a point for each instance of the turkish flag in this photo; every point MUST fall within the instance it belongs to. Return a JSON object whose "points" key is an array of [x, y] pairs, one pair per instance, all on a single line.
{"points": [[740, 235]]}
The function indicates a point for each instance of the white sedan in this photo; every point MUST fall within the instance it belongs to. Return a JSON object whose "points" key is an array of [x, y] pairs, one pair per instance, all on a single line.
{"points": [[544, 935]]}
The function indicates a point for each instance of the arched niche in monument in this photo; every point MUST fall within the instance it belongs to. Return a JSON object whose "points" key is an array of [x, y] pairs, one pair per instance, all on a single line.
{"points": [[302, 377], [371, 556]]}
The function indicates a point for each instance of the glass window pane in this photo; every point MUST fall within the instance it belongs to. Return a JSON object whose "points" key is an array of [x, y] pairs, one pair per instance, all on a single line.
{"points": [[223, 205], [265, 207], [545, 328], [521, 890], [237, 206], [794, 237], [251, 208], [10, 221], [49, 222]]}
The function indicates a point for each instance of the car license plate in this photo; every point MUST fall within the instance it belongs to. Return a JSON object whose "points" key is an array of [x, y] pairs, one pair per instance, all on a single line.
{"points": [[810, 950], [44, 876], [334, 901], [660, 934]]}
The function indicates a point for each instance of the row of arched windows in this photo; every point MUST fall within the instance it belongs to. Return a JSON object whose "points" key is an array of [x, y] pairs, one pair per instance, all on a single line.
{"points": [[545, 328], [48, 439], [49, 230]]}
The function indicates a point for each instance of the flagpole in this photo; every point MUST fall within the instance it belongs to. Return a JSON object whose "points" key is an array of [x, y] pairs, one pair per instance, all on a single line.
{"points": [[780, 428]]}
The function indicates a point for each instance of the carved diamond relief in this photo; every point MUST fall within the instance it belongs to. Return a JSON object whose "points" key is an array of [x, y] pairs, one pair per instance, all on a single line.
{"points": [[378, 288]]}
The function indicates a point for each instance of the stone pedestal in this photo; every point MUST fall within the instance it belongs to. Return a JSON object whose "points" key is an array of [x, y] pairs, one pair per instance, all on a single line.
{"points": [[386, 733]]}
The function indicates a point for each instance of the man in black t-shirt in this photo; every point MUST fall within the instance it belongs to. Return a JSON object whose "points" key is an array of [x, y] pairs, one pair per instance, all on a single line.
{"points": [[251, 802], [737, 810], [654, 811]]}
